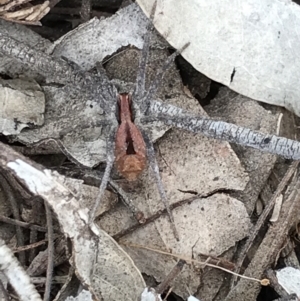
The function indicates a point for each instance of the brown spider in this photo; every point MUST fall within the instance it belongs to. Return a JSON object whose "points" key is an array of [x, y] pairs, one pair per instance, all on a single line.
{"points": [[129, 145]]}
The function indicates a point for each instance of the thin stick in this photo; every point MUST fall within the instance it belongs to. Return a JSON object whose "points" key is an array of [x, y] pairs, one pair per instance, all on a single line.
{"points": [[271, 245], [15, 222], [33, 233], [16, 275], [155, 216], [85, 12], [193, 261], [4, 291], [50, 252], [15, 210], [171, 276], [262, 219], [33, 245]]}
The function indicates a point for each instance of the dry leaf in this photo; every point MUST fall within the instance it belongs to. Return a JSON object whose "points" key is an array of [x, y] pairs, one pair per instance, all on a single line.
{"points": [[97, 259], [22, 103], [253, 53]]}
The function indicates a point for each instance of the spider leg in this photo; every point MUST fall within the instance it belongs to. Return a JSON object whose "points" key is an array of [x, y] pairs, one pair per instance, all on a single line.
{"points": [[110, 88], [216, 129], [110, 158], [82, 126], [156, 83], [140, 78], [154, 167], [138, 215], [60, 71]]}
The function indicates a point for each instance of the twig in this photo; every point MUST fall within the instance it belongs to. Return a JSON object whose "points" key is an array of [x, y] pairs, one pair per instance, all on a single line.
{"points": [[22, 224], [60, 71], [16, 275], [50, 252], [171, 276], [33, 233], [173, 116], [85, 12], [269, 248], [262, 219], [155, 216], [15, 210], [3, 291], [34, 245], [55, 279]]}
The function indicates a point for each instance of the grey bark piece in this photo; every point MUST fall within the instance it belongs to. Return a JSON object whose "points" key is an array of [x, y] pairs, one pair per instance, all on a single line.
{"points": [[66, 118], [22, 103], [234, 108], [10, 66], [250, 46], [93, 41]]}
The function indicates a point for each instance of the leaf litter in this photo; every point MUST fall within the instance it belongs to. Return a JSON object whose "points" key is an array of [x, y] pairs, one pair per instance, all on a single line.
{"points": [[211, 224]]}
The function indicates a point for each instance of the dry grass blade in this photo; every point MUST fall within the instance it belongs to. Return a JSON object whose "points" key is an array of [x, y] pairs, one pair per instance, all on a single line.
{"points": [[26, 14]]}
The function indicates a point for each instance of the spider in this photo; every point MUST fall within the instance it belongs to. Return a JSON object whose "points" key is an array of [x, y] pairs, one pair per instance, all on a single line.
{"points": [[128, 145]]}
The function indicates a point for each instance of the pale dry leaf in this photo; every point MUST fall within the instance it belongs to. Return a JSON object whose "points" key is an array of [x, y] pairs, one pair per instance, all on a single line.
{"points": [[27, 14], [289, 279], [149, 294], [253, 53], [96, 258], [16, 275], [84, 295], [64, 120], [40, 10], [206, 226], [91, 42], [277, 208], [22, 103]]}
